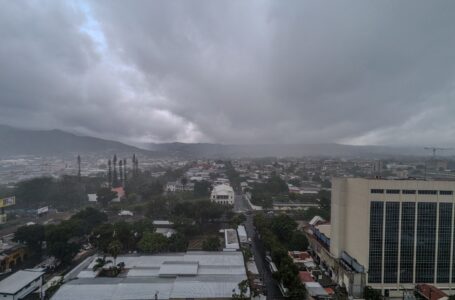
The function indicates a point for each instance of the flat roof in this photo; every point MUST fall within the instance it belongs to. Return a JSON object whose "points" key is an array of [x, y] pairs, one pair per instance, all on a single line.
{"points": [[194, 274], [315, 289], [175, 268], [17, 281]]}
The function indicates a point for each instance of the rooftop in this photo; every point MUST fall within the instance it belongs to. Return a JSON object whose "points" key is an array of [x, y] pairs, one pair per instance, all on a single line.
{"points": [[14, 283], [195, 274]]}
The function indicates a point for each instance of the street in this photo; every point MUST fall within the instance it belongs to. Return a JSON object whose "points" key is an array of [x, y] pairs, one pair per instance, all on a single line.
{"points": [[240, 204], [273, 291]]}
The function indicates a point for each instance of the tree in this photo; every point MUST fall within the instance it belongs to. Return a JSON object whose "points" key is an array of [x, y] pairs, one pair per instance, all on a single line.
{"points": [[297, 292], [113, 249], [211, 244], [63, 251], [283, 226], [178, 243], [100, 263], [32, 236], [105, 195], [202, 189], [152, 242], [243, 289], [298, 242], [237, 219], [102, 236], [91, 218], [124, 235]]}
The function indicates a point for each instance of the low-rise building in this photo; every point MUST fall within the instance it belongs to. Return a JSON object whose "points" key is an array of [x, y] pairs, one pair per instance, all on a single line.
{"points": [[177, 186], [20, 284], [231, 242], [10, 255], [170, 276]]}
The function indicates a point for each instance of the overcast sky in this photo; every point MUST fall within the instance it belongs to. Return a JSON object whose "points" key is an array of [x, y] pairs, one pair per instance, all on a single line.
{"points": [[357, 72]]}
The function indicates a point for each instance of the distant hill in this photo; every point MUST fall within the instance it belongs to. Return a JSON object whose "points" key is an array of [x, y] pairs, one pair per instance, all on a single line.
{"points": [[14, 141], [207, 150]]}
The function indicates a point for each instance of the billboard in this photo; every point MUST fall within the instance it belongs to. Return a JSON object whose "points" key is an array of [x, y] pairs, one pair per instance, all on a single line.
{"points": [[7, 201]]}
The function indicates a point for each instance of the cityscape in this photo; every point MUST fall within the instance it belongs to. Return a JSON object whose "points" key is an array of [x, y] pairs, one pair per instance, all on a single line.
{"points": [[215, 150]]}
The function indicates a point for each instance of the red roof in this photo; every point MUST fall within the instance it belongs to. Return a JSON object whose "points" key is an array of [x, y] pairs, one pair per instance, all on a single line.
{"points": [[120, 191], [305, 276], [430, 292]]}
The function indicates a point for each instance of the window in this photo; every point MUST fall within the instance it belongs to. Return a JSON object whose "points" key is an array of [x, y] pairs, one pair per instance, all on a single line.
{"points": [[408, 192], [444, 241], [426, 242], [407, 241], [392, 218], [375, 255], [428, 192], [377, 191], [445, 192], [392, 191]]}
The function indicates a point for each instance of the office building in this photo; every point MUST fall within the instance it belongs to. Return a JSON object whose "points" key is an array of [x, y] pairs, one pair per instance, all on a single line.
{"points": [[394, 233]]}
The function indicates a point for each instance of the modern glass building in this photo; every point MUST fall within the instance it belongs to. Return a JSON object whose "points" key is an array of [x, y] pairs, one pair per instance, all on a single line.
{"points": [[400, 231]]}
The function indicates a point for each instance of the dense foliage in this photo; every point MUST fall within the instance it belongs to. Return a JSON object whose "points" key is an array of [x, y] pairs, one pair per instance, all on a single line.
{"points": [[277, 235], [263, 193], [63, 240], [64, 193]]}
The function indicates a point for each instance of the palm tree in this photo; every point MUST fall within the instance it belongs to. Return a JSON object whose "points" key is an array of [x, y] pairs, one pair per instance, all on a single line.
{"points": [[114, 249], [100, 263]]}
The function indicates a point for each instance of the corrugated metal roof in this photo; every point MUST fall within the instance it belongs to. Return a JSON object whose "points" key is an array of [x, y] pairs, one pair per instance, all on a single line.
{"points": [[17, 281], [175, 268], [192, 275]]}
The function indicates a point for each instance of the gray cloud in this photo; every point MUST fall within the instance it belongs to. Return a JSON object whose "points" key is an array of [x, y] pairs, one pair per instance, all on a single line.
{"points": [[232, 71]]}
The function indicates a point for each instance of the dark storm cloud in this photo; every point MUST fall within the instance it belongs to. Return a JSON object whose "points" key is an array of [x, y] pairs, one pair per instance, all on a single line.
{"points": [[232, 71]]}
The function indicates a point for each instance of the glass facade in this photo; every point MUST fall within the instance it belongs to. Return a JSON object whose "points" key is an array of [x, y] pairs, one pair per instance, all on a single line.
{"points": [[375, 255], [426, 240], [407, 241], [400, 244], [392, 220], [444, 241]]}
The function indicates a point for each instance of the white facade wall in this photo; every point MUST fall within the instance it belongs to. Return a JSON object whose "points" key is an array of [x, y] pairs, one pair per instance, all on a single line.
{"points": [[222, 194]]}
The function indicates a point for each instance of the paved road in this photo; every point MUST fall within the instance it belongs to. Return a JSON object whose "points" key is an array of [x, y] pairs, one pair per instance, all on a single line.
{"points": [[273, 292], [240, 204]]}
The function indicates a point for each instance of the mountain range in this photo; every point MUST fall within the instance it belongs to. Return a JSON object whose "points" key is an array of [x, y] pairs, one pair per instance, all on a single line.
{"points": [[14, 141]]}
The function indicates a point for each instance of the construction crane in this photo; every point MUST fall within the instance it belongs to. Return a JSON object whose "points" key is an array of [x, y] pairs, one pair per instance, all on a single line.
{"points": [[434, 149]]}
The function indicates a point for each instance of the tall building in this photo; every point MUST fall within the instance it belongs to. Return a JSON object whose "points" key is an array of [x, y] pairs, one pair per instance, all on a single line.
{"points": [[377, 167], [398, 233]]}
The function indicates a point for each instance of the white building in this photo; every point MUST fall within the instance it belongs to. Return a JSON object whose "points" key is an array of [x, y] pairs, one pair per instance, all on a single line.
{"points": [[20, 284], [167, 276], [223, 194], [177, 186]]}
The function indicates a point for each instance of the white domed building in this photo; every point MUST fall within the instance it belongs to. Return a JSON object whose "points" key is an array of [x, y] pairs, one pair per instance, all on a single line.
{"points": [[223, 194]]}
